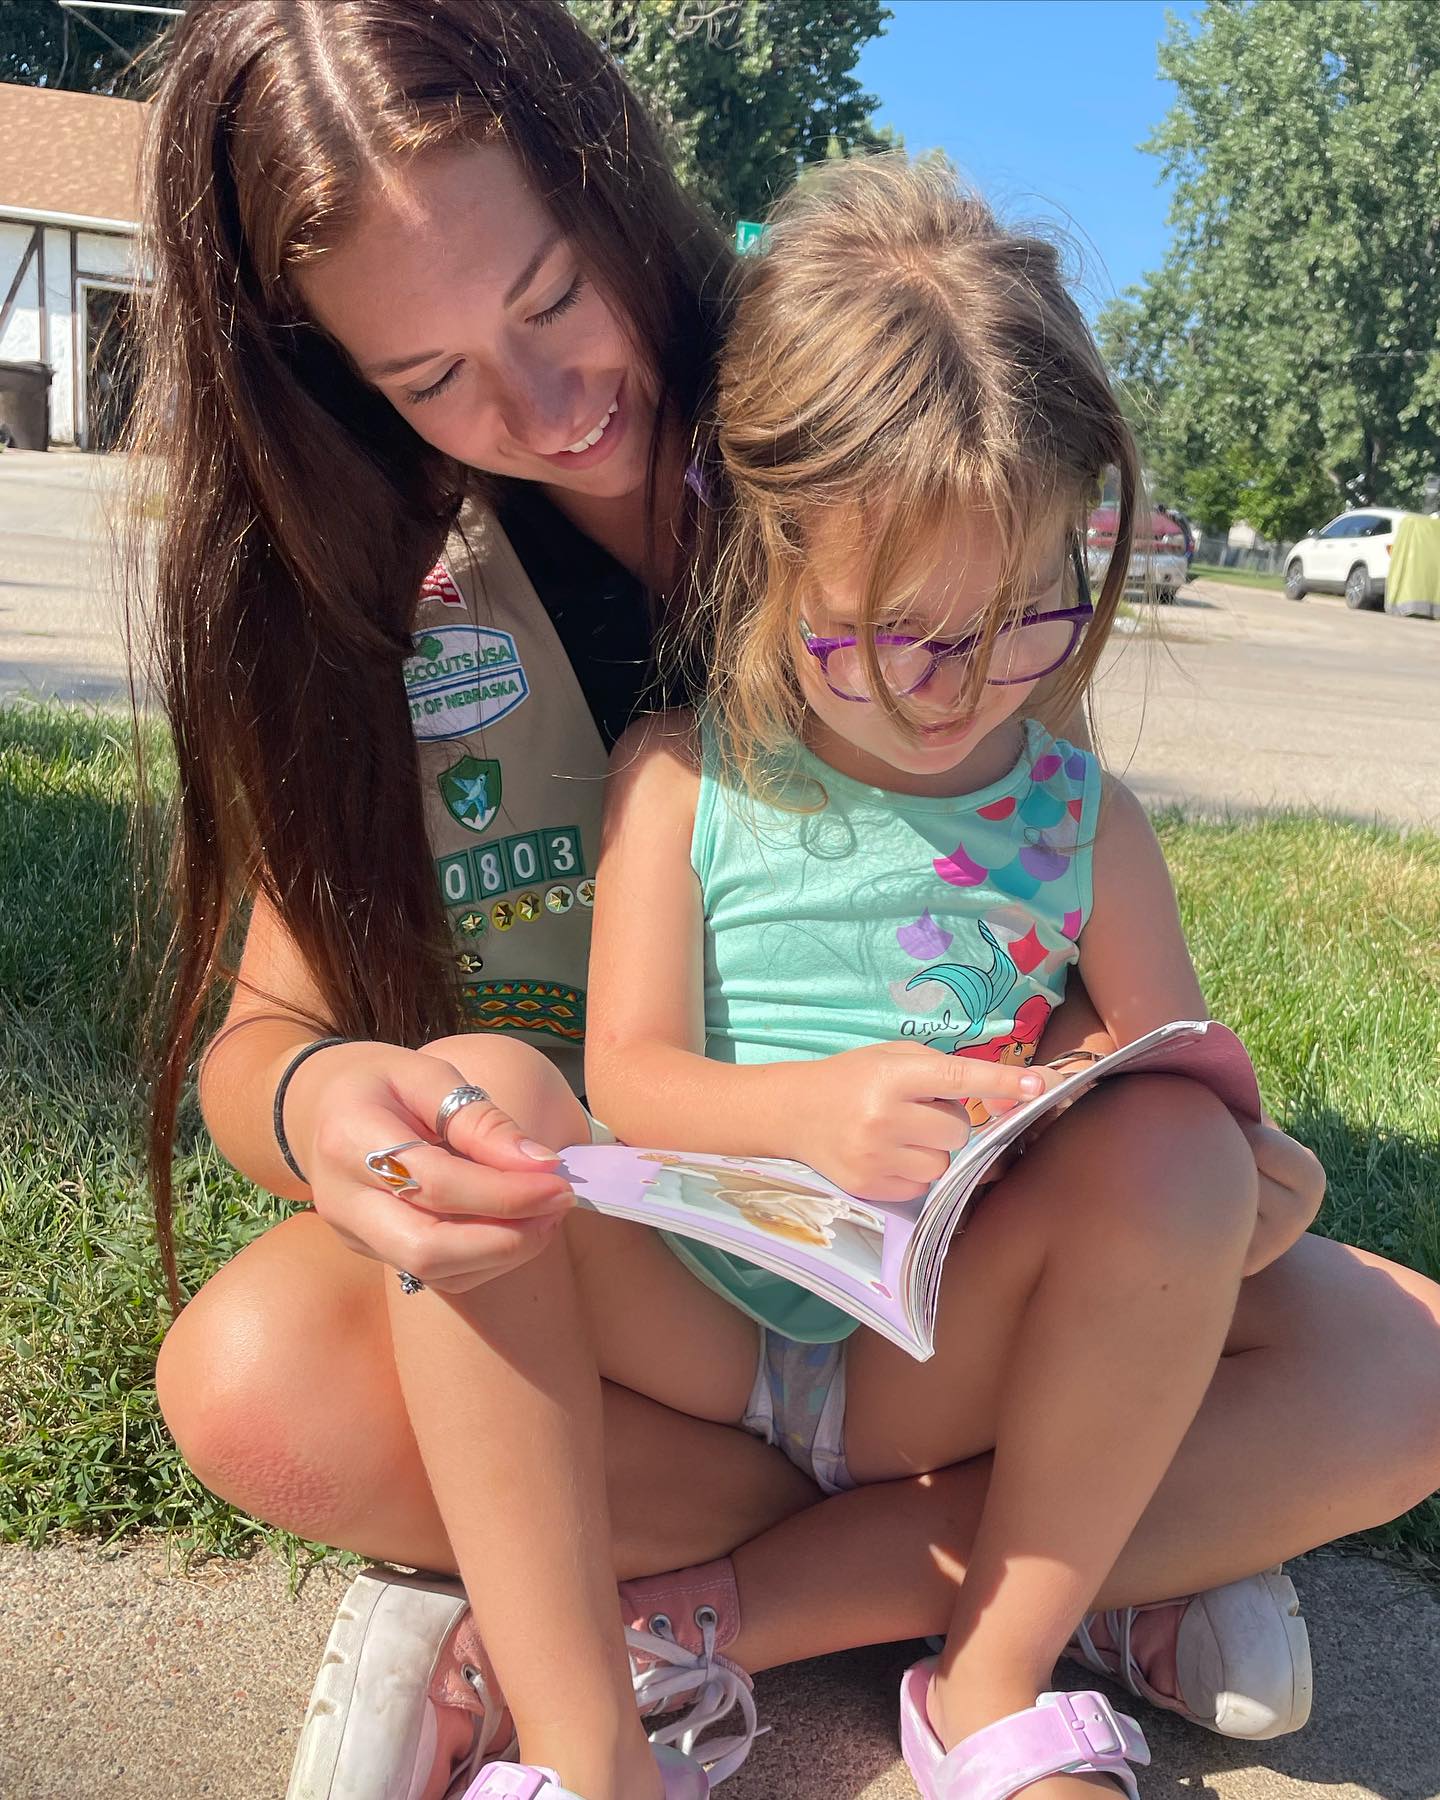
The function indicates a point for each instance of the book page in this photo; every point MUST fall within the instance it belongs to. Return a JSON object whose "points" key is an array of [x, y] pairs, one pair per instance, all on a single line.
{"points": [[779, 1214]]}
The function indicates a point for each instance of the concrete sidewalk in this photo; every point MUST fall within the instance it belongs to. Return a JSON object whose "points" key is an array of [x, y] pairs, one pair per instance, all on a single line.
{"points": [[127, 1682]]}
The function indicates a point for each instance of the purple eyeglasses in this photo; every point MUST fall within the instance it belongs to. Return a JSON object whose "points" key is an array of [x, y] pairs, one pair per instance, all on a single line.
{"points": [[1025, 649]]}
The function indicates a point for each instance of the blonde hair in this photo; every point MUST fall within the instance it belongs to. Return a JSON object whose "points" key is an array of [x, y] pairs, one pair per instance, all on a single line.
{"points": [[896, 357]]}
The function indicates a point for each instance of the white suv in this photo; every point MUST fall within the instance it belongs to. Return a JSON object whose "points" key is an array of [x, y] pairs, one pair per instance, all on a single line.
{"points": [[1349, 556]]}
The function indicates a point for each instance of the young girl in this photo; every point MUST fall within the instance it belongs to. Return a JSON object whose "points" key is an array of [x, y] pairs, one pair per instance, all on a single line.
{"points": [[835, 903]]}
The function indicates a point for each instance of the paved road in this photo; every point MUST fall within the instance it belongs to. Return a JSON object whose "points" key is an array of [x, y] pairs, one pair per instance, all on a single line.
{"points": [[1243, 699], [125, 1681]]}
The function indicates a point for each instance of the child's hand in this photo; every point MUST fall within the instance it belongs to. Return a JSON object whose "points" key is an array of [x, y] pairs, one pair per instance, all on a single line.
{"points": [[881, 1122], [1292, 1185]]}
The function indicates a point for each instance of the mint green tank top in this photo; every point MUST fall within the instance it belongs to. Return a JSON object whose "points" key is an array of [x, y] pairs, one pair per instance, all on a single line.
{"points": [[951, 921]]}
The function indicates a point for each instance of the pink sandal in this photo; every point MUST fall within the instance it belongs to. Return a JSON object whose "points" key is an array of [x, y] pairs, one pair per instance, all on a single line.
{"points": [[1062, 1734], [684, 1780]]}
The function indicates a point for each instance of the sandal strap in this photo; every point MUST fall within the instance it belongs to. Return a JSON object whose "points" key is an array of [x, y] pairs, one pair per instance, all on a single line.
{"points": [[518, 1781], [1076, 1734]]}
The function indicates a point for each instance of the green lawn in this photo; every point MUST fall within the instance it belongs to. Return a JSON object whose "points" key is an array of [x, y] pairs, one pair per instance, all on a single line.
{"points": [[1319, 942], [1237, 577]]}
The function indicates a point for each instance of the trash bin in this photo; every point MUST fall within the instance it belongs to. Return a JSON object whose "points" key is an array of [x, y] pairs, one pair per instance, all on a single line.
{"points": [[25, 404]]}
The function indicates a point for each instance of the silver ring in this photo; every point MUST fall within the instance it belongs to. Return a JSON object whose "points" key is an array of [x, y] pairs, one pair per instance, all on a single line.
{"points": [[455, 1101], [409, 1284], [386, 1166]]}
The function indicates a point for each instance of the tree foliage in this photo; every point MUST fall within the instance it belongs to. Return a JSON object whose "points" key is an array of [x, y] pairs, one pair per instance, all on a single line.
{"points": [[747, 91], [43, 45], [1285, 361]]}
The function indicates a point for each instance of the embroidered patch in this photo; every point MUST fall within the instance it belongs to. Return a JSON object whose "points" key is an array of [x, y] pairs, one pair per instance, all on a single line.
{"points": [[461, 678], [439, 585], [547, 1007], [471, 789]]}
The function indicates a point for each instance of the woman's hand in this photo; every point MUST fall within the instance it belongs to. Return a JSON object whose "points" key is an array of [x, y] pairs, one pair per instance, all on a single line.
{"points": [[882, 1121], [1292, 1186], [476, 1214]]}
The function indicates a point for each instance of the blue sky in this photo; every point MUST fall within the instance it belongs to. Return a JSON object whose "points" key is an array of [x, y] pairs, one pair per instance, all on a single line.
{"points": [[1043, 103]]}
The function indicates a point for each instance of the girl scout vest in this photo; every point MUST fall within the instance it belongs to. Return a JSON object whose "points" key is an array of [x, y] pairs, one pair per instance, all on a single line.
{"points": [[511, 769]]}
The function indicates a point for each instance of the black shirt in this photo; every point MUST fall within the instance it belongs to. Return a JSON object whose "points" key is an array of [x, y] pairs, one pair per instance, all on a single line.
{"points": [[600, 612]]}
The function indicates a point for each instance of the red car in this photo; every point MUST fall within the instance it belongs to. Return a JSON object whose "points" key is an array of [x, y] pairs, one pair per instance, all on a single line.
{"points": [[1158, 561]]}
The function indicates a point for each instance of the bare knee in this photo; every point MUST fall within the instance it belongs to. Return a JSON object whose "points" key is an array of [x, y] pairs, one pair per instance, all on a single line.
{"points": [[1404, 1333], [1168, 1171], [521, 1080], [247, 1381]]}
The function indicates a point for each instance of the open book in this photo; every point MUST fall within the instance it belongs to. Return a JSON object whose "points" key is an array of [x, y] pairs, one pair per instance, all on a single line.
{"points": [[879, 1262]]}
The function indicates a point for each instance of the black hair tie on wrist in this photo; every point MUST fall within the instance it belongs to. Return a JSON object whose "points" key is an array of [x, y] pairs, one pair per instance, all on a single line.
{"points": [[282, 1143]]}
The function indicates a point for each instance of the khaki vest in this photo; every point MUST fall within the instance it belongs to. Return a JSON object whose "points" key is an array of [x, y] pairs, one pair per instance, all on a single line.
{"points": [[511, 769]]}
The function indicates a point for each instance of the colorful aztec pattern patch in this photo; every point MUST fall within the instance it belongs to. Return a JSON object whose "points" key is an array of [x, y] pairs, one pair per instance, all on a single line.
{"points": [[548, 1007]]}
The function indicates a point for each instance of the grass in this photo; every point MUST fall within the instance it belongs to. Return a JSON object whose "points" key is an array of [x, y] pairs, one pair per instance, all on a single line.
{"points": [[1253, 578], [1319, 941], [81, 1314]]}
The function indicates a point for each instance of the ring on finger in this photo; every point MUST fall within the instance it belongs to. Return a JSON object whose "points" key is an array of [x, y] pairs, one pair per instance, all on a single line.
{"points": [[454, 1102], [386, 1166]]}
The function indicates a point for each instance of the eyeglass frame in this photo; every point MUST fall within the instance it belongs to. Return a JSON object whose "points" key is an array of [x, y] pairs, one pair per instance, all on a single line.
{"points": [[1079, 616]]}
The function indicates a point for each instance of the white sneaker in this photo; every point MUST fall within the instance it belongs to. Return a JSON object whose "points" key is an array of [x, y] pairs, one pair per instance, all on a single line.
{"points": [[406, 1705], [401, 1708], [1242, 1657]]}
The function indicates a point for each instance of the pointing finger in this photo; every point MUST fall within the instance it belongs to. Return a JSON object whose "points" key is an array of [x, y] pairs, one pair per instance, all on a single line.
{"points": [[955, 1077]]}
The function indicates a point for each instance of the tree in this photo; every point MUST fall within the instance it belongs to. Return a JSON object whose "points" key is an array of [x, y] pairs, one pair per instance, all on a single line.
{"points": [[1288, 352], [43, 45], [746, 91]]}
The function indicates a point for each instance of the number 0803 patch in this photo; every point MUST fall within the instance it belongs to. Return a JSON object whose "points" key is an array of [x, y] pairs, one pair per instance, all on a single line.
{"points": [[501, 865]]}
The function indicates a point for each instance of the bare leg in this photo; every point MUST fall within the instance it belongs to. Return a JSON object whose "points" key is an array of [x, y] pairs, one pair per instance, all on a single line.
{"points": [[504, 1400], [1082, 1318], [279, 1383], [1324, 1414]]}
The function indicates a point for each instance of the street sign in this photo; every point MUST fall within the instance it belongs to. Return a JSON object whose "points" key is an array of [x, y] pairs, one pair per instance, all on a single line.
{"points": [[748, 233]]}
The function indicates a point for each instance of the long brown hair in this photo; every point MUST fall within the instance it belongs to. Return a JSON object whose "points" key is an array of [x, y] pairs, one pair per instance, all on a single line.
{"points": [[299, 511], [895, 356]]}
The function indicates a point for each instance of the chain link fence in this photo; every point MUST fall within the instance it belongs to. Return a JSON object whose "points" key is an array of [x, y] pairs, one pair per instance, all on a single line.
{"points": [[1264, 559]]}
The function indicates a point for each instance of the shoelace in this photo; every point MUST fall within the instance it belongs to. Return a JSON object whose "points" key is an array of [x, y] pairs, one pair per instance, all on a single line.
{"points": [[718, 1689], [481, 1751], [722, 1689], [1119, 1663]]}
